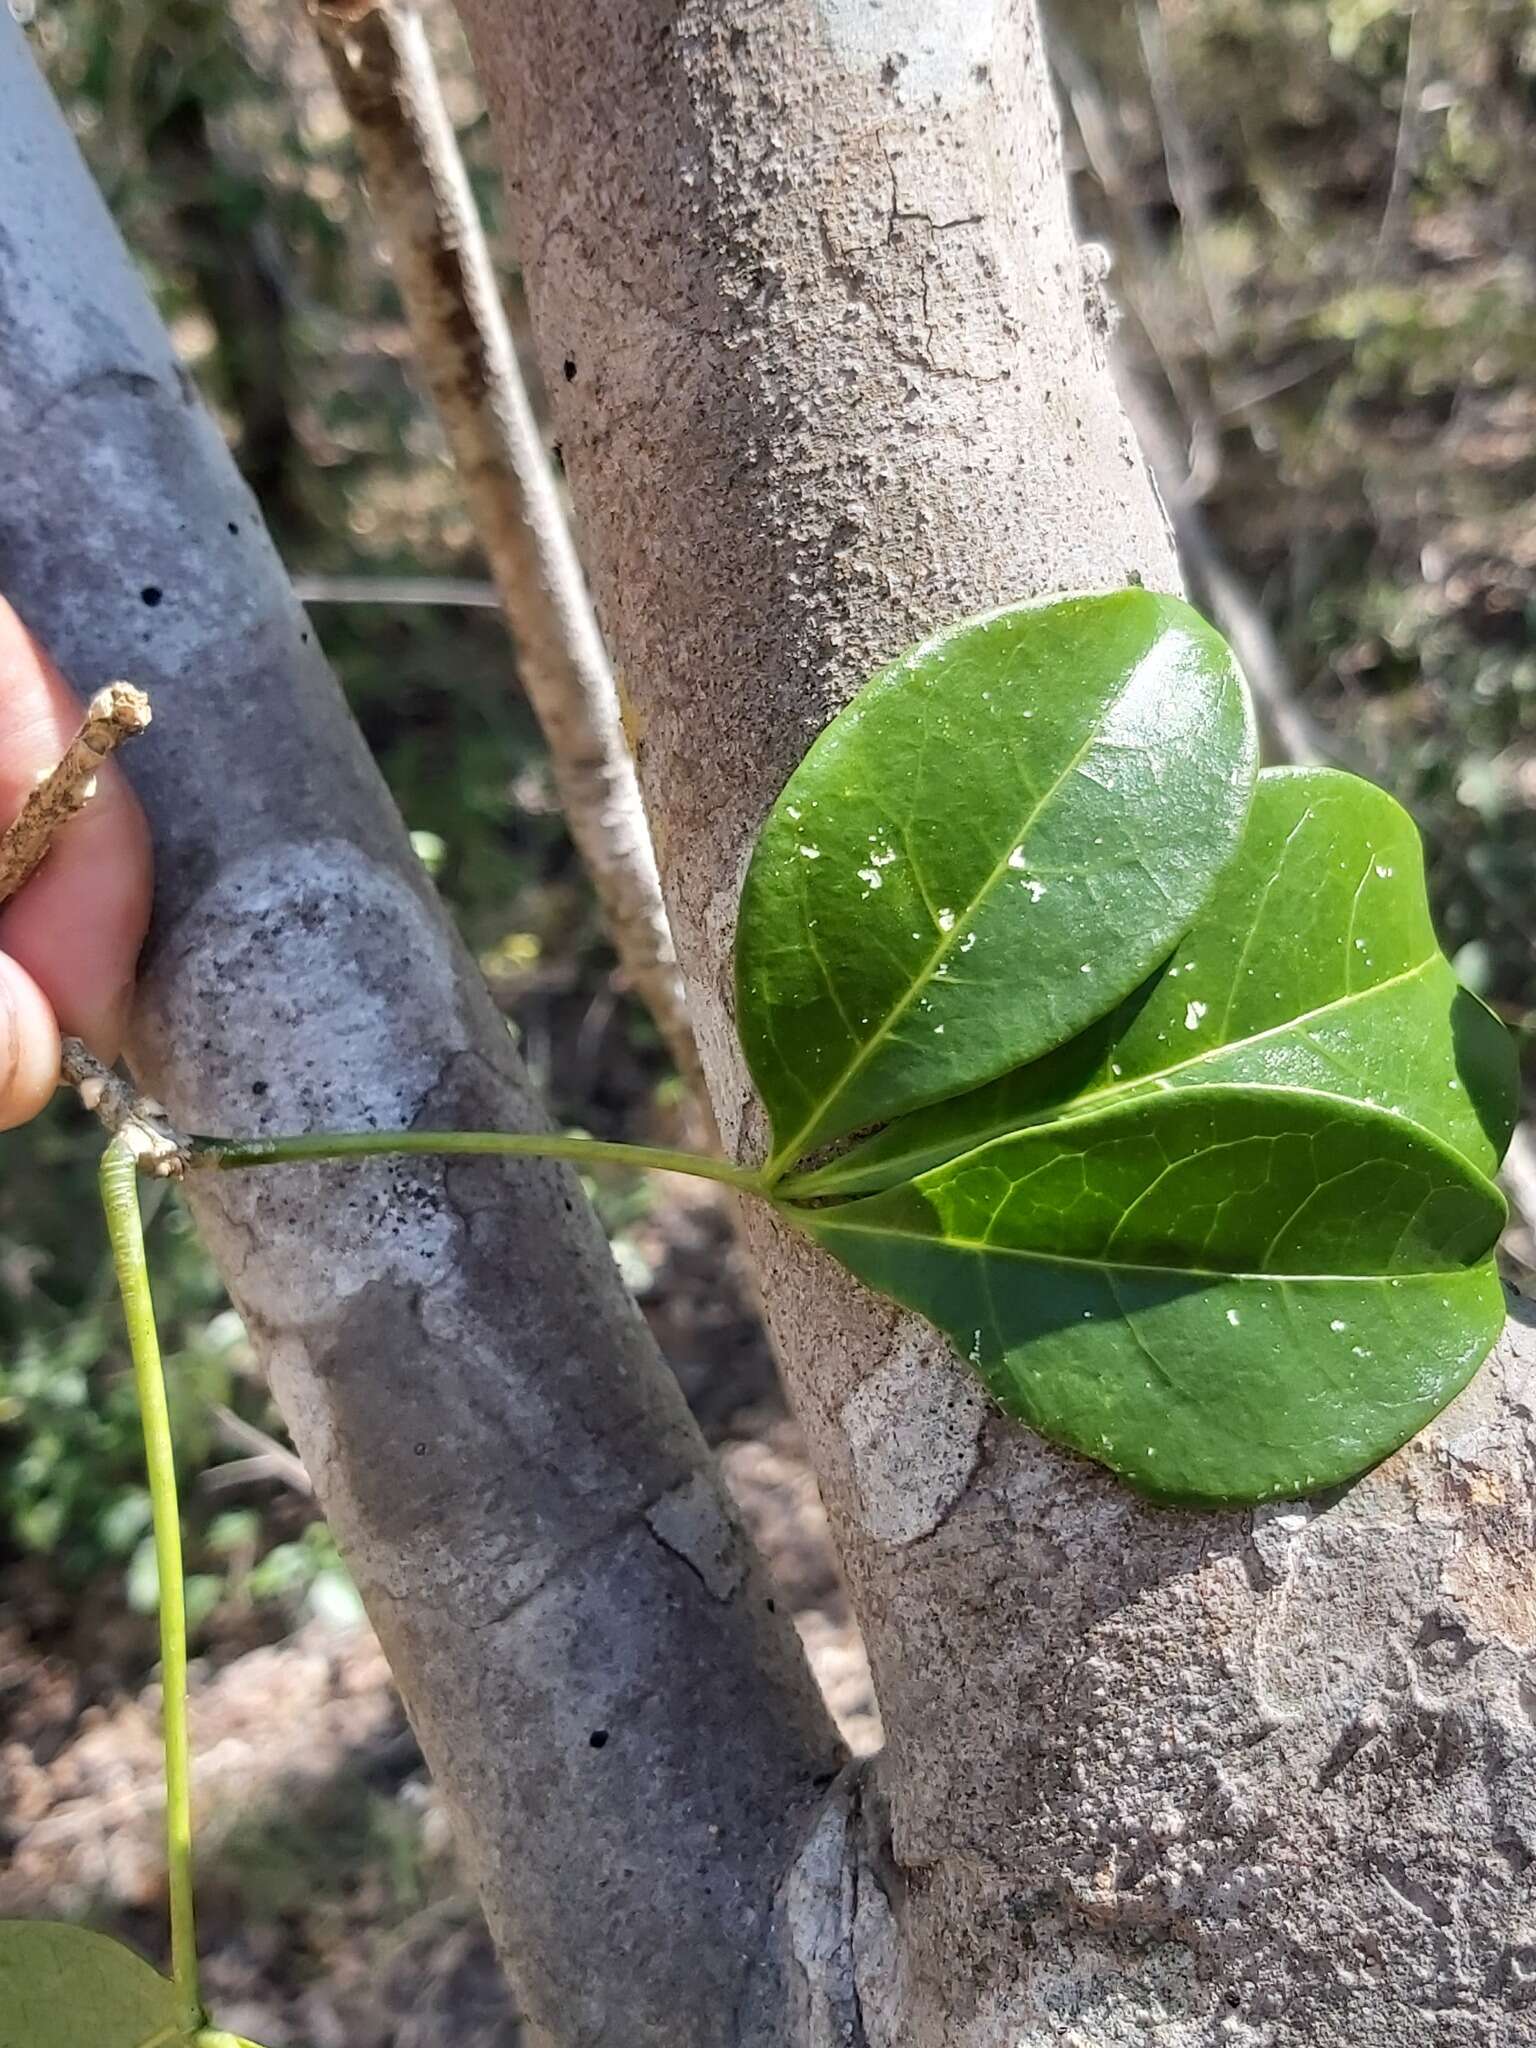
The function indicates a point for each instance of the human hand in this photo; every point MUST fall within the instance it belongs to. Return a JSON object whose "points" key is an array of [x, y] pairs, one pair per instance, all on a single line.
{"points": [[70, 938]]}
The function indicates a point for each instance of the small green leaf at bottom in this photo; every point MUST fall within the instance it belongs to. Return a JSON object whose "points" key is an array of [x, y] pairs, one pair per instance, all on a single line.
{"points": [[66, 1987]]}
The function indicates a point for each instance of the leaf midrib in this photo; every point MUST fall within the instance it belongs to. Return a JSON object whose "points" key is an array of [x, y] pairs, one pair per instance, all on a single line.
{"points": [[1093, 1101], [790, 1150], [982, 1248], [1102, 1098]]}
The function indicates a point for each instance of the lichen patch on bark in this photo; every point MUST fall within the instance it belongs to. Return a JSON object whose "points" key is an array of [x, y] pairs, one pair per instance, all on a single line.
{"points": [[914, 1430]]}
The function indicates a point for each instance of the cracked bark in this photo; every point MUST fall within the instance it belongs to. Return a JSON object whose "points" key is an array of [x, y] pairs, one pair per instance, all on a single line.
{"points": [[1152, 1778], [488, 1426]]}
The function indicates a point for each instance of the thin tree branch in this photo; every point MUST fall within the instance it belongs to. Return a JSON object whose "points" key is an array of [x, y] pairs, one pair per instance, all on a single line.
{"points": [[266, 1458], [1186, 172], [1410, 127], [406, 590], [1294, 733], [386, 78], [1292, 730], [115, 714]]}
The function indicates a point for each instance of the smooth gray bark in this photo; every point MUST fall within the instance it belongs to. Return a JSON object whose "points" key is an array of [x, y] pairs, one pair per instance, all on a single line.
{"points": [[1152, 1778], [623, 1727]]}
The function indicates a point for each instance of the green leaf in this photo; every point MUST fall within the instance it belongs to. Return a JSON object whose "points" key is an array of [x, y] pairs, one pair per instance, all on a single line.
{"points": [[1314, 965], [65, 1987], [996, 841], [1226, 1294]]}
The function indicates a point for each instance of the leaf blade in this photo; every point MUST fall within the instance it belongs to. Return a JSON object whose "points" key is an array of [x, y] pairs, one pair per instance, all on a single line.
{"points": [[1167, 1287], [903, 936], [61, 1986], [1281, 981]]}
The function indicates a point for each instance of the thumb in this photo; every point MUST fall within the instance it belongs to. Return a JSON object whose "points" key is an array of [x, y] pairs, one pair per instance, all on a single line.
{"points": [[29, 1046]]}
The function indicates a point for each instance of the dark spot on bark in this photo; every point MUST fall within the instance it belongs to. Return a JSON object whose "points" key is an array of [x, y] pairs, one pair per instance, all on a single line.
{"points": [[259, 1087], [234, 526], [598, 1739], [151, 595], [570, 369], [420, 1450], [823, 1779], [772, 1606], [737, 42], [304, 638], [558, 453]]}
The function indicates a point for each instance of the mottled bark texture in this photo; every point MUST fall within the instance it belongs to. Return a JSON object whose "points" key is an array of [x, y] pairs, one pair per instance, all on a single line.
{"points": [[384, 73], [623, 1727], [828, 373]]}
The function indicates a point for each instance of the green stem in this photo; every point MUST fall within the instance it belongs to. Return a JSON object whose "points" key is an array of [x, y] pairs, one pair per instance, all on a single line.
{"points": [[120, 1200], [227, 1153]]}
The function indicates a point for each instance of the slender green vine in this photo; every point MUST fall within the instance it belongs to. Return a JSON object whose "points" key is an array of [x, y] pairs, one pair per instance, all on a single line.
{"points": [[120, 1202]]}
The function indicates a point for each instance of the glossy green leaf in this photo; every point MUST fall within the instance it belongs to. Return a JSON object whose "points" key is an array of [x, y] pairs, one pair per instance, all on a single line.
{"points": [[1313, 965], [65, 1987], [995, 842], [1224, 1293]]}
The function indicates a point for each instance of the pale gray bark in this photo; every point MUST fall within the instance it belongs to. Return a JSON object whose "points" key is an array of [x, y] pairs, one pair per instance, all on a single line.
{"points": [[385, 76], [622, 1725], [1152, 1778]]}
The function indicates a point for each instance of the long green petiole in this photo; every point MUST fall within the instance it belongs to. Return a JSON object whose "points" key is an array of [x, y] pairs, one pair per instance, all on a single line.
{"points": [[229, 1153], [120, 1200]]}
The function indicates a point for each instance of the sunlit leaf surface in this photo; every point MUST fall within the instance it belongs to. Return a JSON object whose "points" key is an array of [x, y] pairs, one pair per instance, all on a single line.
{"points": [[1001, 835]]}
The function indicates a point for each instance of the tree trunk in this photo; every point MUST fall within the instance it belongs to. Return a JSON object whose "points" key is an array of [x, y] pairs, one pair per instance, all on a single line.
{"points": [[622, 1725], [829, 373]]}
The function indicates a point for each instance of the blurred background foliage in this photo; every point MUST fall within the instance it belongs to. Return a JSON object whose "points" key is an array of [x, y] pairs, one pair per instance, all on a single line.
{"points": [[1322, 220]]}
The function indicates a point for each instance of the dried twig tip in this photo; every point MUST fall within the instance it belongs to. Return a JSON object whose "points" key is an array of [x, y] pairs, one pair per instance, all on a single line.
{"points": [[139, 1120], [117, 713]]}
